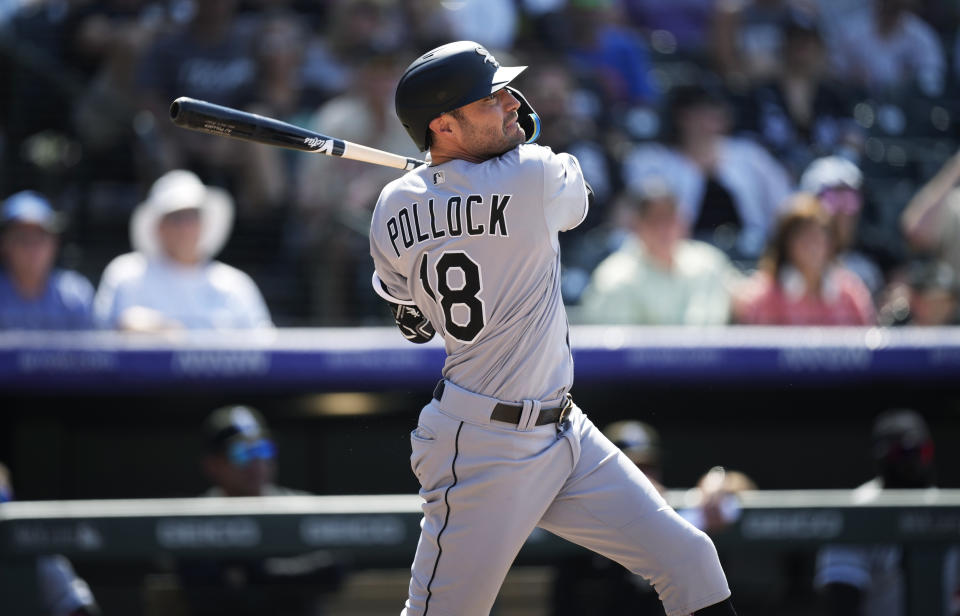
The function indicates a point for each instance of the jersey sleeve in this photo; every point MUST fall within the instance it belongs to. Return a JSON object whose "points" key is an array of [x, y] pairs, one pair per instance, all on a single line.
{"points": [[388, 282], [564, 191]]}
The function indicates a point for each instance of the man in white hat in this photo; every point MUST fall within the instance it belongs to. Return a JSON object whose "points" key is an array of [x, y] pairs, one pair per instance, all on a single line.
{"points": [[171, 280]]}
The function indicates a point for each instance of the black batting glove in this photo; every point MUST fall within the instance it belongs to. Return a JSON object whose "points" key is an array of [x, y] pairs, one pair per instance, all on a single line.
{"points": [[414, 326]]}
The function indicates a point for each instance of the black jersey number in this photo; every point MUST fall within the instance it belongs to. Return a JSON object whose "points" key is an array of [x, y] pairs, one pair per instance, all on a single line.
{"points": [[467, 294]]}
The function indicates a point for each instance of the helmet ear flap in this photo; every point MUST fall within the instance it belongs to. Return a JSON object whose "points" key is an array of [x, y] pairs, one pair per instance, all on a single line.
{"points": [[528, 119]]}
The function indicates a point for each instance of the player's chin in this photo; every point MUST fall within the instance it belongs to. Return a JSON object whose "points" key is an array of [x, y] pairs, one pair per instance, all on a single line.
{"points": [[514, 134]]}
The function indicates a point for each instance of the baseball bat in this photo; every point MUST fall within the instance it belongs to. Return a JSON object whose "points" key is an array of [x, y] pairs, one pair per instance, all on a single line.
{"points": [[212, 119]]}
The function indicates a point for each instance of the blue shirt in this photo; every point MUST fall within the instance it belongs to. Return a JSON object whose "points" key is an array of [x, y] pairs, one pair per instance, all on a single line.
{"points": [[66, 303], [621, 61]]}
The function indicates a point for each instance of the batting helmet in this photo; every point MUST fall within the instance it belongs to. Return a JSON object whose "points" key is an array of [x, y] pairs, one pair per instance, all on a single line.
{"points": [[449, 77]]}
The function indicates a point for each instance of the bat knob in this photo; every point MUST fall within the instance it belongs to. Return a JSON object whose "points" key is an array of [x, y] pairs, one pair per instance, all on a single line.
{"points": [[175, 107]]}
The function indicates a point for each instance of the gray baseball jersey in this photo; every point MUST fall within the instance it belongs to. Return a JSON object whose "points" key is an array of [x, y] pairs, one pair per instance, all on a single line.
{"points": [[474, 246]]}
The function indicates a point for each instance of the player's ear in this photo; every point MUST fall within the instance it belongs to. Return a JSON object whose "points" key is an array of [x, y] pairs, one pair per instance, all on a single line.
{"points": [[442, 124]]}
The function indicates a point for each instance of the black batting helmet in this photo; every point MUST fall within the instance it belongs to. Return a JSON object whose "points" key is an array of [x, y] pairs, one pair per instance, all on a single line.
{"points": [[451, 76]]}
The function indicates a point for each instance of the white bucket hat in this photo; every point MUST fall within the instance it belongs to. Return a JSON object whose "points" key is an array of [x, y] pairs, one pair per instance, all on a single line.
{"points": [[180, 190]]}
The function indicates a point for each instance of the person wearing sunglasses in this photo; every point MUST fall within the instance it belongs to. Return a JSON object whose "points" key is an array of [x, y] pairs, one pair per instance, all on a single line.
{"points": [[240, 460], [240, 456], [838, 183]]}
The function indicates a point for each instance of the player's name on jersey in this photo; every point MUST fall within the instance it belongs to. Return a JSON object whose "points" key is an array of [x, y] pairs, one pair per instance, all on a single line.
{"points": [[470, 215]]}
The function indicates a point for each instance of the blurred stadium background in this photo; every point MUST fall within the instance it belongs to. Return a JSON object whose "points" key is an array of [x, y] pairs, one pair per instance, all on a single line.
{"points": [[87, 416]]}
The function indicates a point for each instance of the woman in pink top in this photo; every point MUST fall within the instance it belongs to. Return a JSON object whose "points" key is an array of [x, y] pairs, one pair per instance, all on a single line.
{"points": [[798, 281]]}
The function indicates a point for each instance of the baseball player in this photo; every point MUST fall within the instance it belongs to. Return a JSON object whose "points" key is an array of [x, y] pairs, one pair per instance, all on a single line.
{"points": [[467, 246]]}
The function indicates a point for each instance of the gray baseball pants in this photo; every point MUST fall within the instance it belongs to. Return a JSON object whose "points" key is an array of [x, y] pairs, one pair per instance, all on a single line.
{"points": [[487, 484]]}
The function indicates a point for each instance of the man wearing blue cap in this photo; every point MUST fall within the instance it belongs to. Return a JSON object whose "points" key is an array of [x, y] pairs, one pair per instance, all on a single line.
{"points": [[33, 293]]}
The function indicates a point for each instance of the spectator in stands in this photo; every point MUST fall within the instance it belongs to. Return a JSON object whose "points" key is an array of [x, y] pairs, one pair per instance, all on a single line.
{"points": [[837, 183], [800, 113], [171, 281], [749, 38], [729, 190], [616, 56], [926, 293], [36, 140], [335, 202], [239, 454], [62, 592], [714, 502], [686, 22], [931, 221], [105, 43], [209, 58], [240, 461], [869, 580], [362, 27], [281, 91], [33, 293], [799, 282], [890, 49], [424, 27], [544, 25], [658, 277]]}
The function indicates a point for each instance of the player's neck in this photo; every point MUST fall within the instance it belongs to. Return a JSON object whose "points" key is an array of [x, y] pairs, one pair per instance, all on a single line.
{"points": [[442, 153]]}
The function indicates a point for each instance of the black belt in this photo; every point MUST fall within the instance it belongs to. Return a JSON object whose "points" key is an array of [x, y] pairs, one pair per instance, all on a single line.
{"points": [[511, 413]]}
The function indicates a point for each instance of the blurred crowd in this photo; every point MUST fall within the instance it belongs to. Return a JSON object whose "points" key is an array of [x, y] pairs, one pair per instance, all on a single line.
{"points": [[789, 162]]}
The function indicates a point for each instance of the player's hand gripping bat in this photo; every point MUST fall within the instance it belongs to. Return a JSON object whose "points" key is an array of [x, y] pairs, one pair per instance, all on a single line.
{"points": [[228, 122]]}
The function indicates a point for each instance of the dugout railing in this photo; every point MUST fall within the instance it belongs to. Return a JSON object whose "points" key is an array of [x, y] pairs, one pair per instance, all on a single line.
{"points": [[381, 531]]}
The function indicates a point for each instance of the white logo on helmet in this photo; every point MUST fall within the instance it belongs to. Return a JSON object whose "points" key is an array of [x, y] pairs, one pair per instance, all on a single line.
{"points": [[488, 57]]}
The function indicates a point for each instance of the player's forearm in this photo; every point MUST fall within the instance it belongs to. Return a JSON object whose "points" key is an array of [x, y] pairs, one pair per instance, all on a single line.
{"points": [[920, 220]]}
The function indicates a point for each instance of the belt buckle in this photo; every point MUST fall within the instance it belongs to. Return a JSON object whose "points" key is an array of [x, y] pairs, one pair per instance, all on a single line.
{"points": [[563, 421]]}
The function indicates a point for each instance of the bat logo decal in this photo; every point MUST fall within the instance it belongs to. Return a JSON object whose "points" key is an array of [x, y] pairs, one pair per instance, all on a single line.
{"points": [[319, 145]]}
